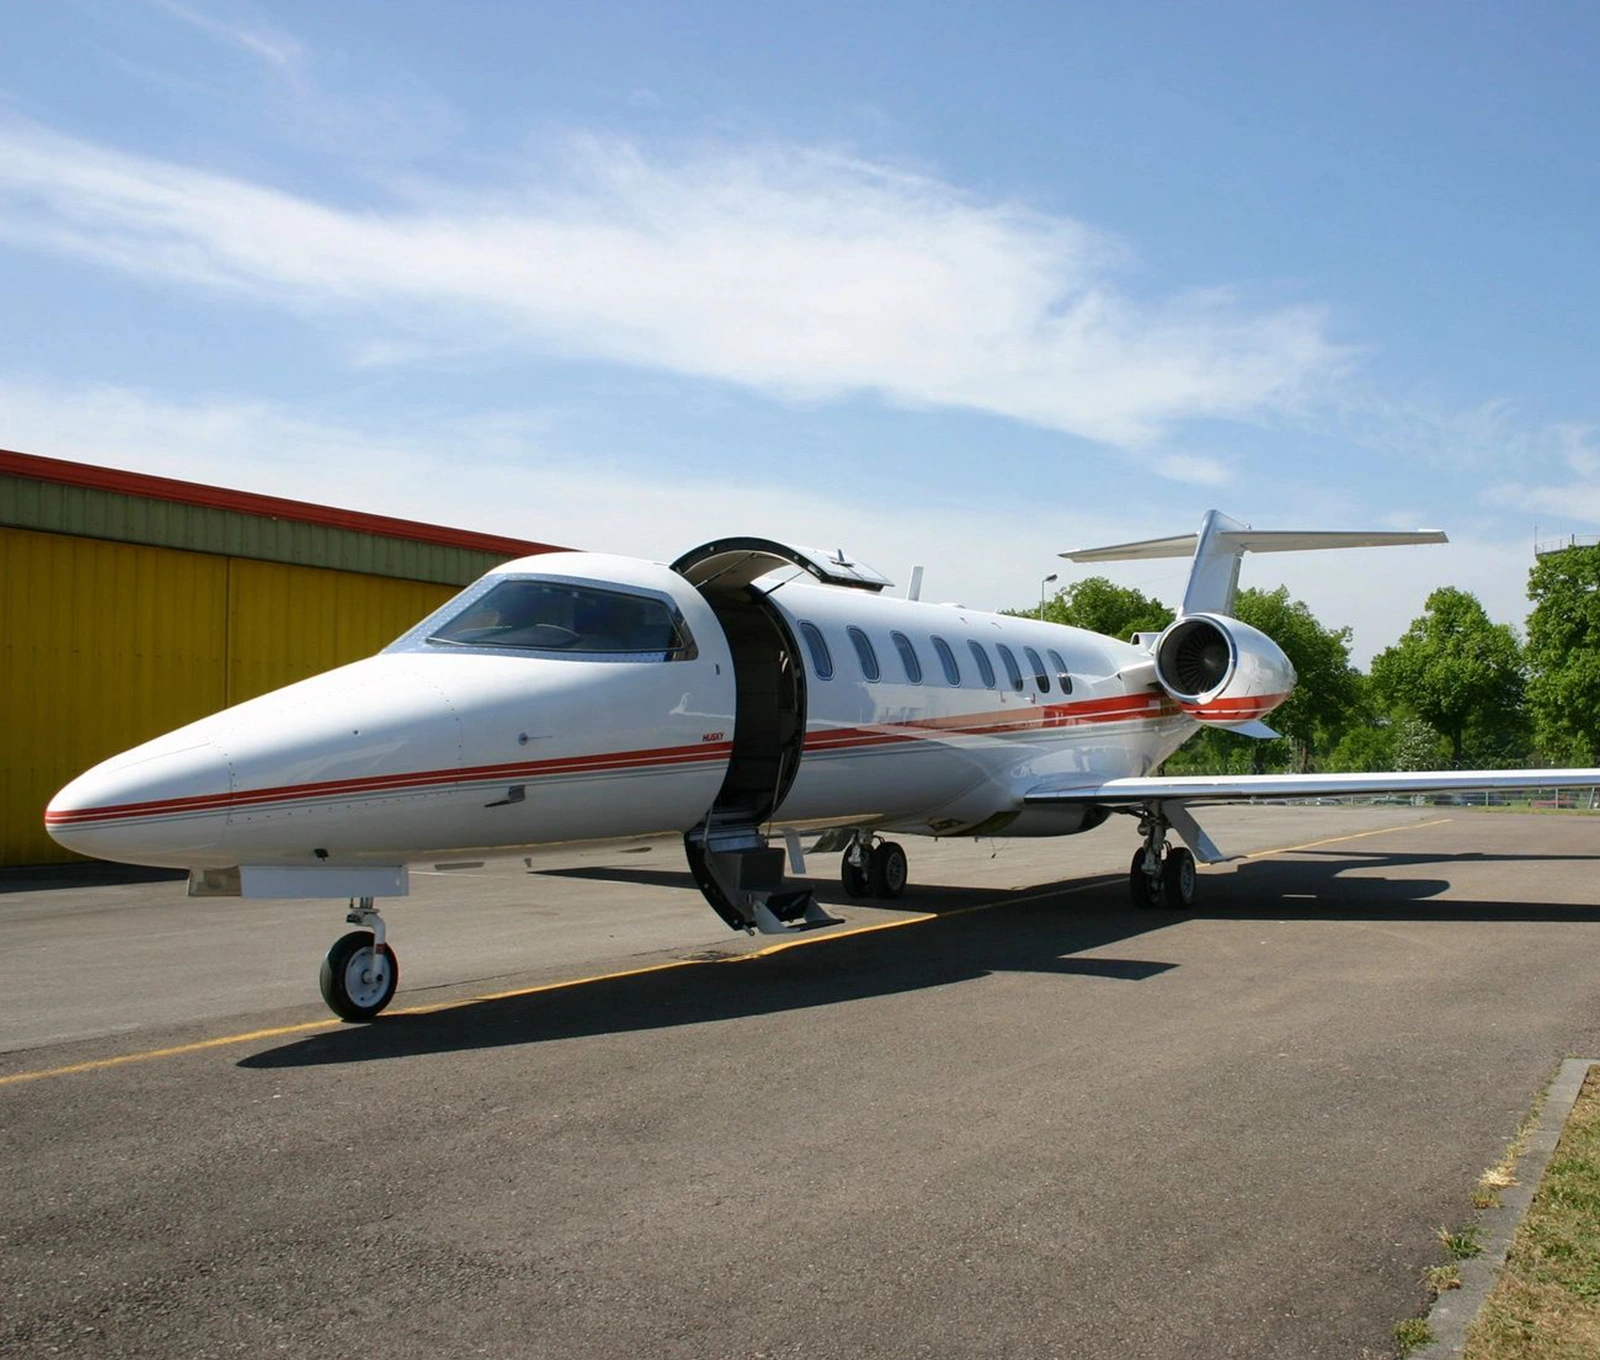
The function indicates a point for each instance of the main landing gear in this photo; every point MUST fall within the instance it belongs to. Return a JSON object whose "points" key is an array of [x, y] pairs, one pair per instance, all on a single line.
{"points": [[360, 972], [873, 868], [1161, 876]]}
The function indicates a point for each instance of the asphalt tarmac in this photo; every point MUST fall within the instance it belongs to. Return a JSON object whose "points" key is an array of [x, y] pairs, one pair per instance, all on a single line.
{"points": [[1011, 1117]]}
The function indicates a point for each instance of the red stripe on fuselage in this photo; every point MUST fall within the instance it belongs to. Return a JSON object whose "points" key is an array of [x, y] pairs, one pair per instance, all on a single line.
{"points": [[237, 800], [1036, 717]]}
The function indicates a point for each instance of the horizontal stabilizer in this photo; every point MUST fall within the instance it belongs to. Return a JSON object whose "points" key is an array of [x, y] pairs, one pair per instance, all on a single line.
{"points": [[1256, 540], [1222, 542]]}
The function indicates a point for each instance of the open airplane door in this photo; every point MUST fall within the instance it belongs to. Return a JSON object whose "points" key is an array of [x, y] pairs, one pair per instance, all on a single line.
{"points": [[739, 874]]}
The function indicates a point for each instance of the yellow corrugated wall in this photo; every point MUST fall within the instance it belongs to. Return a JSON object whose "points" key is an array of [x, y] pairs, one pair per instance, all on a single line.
{"points": [[285, 623], [104, 645]]}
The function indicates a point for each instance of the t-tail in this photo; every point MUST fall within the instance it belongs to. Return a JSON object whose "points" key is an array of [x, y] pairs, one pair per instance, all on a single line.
{"points": [[1222, 543]]}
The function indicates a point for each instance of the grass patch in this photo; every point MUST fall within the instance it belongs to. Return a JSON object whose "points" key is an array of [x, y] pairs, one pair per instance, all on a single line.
{"points": [[1502, 1175], [1412, 1334], [1461, 1244], [1546, 1303]]}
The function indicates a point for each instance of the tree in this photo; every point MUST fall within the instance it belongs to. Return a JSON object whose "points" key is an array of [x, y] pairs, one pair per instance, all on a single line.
{"points": [[1564, 655], [1329, 688], [1462, 675], [1417, 746], [1103, 607]]}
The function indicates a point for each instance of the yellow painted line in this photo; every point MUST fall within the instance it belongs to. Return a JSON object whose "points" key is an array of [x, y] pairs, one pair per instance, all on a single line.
{"points": [[1353, 836], [96, 1064], [768, 951]]}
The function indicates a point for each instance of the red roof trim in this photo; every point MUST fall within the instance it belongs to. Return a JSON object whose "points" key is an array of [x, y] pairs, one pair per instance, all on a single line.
{"points": [[60, 471]]}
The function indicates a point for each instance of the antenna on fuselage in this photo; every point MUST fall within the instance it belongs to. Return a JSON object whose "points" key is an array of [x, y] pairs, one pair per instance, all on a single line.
{"points": [[914, 590]]}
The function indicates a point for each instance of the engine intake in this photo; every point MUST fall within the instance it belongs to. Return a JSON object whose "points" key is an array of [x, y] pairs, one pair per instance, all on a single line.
{"points": [[1221, 671]]}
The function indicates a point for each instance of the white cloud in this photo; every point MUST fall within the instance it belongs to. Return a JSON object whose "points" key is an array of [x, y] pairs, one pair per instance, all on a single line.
{"points": [[1575, 497], [787, 270], [498, 475], [259, 40], [1193, 468]]}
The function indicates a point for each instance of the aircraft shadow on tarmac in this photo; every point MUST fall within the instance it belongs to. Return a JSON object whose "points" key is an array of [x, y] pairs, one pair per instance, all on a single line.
{"points": [[1320, 885], [609, 873], [1044, 934]]}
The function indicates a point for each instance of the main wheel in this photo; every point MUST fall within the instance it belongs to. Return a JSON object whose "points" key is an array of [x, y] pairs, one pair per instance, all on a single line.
{"points": [[887, 870], [1145, 891], [854, 877], [1178, 879], [357, 980]]}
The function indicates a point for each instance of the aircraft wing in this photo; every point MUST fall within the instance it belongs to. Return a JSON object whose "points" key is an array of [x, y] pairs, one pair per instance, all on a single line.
{"points": [[1171, 797], [1248, 788]]}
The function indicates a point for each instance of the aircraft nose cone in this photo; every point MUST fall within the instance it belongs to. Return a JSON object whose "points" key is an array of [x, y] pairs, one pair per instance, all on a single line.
{"points": [[163, 803]]}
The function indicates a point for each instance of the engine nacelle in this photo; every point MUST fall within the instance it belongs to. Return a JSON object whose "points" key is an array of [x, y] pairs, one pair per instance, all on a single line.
{"points": [[1220, 671]]}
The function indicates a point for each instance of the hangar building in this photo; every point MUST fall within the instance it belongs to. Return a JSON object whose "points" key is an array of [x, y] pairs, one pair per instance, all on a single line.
{"points": [[131, 604]]}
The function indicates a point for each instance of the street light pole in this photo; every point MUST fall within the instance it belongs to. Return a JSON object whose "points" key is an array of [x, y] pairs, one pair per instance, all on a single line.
{"points": [[1042, 585]]}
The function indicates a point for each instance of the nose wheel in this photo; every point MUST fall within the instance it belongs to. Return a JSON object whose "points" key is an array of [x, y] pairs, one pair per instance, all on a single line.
{"points": [[361, 972]]}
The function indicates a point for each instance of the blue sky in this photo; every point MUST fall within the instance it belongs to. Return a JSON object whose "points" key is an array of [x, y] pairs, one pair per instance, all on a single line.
{"points": [[946, 284]]}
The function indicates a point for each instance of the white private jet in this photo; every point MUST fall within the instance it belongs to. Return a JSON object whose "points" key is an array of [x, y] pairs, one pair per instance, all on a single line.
{"points": [[745, 694]]}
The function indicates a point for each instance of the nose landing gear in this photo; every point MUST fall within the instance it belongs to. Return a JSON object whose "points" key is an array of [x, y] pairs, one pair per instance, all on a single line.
{"points": [[361, 972]]}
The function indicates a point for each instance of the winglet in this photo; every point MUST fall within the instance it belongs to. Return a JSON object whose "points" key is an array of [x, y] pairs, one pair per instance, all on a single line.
{"points": [[1221, 544]]}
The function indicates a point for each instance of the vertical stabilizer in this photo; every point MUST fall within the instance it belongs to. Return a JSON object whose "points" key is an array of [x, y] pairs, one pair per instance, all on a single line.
{"points": [[1214, 577]]}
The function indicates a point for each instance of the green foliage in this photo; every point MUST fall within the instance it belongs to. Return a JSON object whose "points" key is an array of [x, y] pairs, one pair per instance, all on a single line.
{"points": [[1417, 746], [1564, 655], [1413, 1334], [1103, 607], [1461, 674], [1215, 750], [1328, 688]]}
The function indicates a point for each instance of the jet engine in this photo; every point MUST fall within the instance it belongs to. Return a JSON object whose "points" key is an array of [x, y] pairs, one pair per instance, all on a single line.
{"points": [[1222, 672]]}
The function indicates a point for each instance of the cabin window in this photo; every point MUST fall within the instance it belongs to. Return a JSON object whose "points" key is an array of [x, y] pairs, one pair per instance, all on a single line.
{"points": [[985, 669], [1041, 677], [908, 657], [1013, 671], [561, 617], [1063, 673], [865, 653], [947, 659], [817, 645]]}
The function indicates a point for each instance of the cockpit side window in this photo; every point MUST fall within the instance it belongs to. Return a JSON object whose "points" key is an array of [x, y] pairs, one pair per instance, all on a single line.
{"points": [[566, 618]]}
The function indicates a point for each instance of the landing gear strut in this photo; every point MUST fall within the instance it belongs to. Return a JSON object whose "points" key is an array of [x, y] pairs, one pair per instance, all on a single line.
{"points": [[873, 869], [360, 972], [1160, 876]]}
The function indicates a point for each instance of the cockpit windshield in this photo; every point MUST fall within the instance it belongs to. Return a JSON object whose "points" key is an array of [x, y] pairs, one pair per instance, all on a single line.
{"points": [[563, 617]]}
